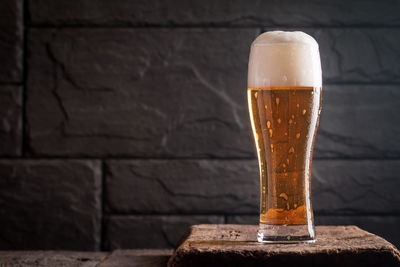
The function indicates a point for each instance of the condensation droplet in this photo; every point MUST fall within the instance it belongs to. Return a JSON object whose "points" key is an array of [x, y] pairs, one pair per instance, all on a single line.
{"points": [[288, 208], [279, 120], [284, 196], [285, 133], [270, 132], [304, 111], [268, 124], [292, 116], [290, 121], [287, 161], [257, 136], [266, 107], [255, 95], [298, 105], [298, 135], [291, 150], [277, 100], [272, 148], [284, 165]]}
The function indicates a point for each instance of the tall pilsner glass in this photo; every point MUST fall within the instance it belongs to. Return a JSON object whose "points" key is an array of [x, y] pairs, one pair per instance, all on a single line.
{"points": [[284, 98]]}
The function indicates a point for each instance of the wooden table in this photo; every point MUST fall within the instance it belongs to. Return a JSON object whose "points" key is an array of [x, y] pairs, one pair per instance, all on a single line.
{"points": [[235, 245]]}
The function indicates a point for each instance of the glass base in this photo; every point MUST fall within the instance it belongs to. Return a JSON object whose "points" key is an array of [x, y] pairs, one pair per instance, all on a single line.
{"points": [[283, 233]]}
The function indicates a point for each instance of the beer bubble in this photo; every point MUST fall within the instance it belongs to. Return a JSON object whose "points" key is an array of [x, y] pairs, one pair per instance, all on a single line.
{"points": [[284, 196]]}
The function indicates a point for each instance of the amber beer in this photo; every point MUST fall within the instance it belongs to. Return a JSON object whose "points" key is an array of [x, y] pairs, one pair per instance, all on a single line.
{"points": [[284, 119]]}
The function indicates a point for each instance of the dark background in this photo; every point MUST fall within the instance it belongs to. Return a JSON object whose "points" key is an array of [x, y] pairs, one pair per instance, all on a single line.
{"points": [[124, 122]]}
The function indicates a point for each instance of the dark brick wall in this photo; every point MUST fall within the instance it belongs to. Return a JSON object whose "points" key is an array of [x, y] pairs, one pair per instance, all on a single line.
{"points": [[123, 122]]}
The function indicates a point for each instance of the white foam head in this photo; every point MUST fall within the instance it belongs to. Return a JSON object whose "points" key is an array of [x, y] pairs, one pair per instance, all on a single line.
{"points": [[281, 59]]}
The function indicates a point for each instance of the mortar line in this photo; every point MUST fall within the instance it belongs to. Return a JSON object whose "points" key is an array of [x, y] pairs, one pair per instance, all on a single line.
{"points": [[127, 158], [103, 190], [225, 215], [209, 26], [24, 134]]}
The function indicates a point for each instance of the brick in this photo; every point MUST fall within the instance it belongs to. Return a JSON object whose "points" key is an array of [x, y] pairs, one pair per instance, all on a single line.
{"points": [[351, 55], [11, 120], [200, 186], [50, 204], [384, 226], [150, 231], [243, 219], [232, 186], [148, 93], [206, 121], [353, 186], [206, 13], [359, 121], [11, 40]]}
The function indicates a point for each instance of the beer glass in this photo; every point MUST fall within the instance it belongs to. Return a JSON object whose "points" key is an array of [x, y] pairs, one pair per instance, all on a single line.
{"points": [[284, 98]]}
